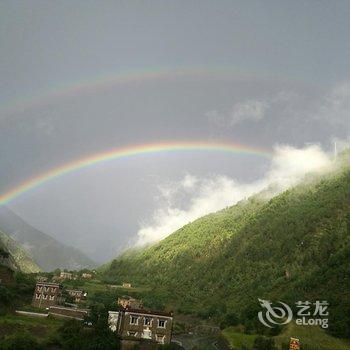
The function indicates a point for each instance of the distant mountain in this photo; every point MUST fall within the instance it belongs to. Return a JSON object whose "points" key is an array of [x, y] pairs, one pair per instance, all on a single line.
{"points": [[47, 252], [295, 246], [13, 256]]}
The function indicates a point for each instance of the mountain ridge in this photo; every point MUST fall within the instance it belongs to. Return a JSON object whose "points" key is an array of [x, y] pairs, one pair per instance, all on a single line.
{"points": [[46, 251]]}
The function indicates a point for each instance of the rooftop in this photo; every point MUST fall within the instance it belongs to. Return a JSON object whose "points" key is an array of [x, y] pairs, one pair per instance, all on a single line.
{"points": [[149, 312], [49, 283]]}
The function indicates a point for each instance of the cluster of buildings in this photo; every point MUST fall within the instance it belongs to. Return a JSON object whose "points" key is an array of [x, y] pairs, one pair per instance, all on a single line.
{"points": [[132, 323], [52, 297], [65, 275]]}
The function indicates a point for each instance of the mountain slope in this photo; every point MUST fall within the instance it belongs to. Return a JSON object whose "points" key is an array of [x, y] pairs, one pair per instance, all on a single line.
{"points": [[48, 253], [293, 247], [16, 257]]}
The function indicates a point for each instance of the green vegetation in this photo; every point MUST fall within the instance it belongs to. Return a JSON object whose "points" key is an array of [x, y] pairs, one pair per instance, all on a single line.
{"points": [[16, 289], [74, 335], [237, 339], [43, 329], [293, 247], [44, 333], [313, 338], [18, 258], [20, 341]]}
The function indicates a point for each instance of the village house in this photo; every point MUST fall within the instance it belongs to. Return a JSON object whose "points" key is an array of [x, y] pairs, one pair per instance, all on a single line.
{"points": [[86, 276], [134, 325], [126, 285], [41, 279], [77, 295], [127, 302], [47, 294], [66, 275]]}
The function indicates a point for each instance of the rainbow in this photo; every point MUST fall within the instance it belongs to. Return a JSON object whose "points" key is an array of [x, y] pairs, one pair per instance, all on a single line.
{"points": [[101, 82], [128, 152]]}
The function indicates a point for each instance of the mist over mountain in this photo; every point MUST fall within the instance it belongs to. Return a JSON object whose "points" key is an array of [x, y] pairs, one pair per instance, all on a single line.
{"points": [[292, 247], [47, 252]]}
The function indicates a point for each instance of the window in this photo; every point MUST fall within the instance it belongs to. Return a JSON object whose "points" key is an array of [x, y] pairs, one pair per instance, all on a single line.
{"points": [[132, 334], [39, 289], [37, 296], [161, 323], [52, 297], [147, 321], [134, 319], [53, 289], [45, 296]]}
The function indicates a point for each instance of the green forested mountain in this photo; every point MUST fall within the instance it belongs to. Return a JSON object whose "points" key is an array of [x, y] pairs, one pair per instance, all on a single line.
{"points": [[47, 252], [12, 255], [292, 247]]}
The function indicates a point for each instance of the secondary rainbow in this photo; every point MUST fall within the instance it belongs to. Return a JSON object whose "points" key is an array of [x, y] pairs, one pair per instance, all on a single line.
{"points": [[99, 82], [128, 152]]}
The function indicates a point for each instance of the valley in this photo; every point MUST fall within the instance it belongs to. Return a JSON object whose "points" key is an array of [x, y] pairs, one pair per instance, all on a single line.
{"points": [[211, 273]]}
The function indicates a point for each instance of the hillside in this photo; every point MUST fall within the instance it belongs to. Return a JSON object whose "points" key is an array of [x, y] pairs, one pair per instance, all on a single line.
{"points": [[313, 338], [15, 257], [293, 247], [47, 252]]}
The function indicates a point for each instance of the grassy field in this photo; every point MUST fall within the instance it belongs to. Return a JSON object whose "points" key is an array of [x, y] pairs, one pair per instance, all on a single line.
{"points": [[41, 328], [96, 286], [311, 337], [238, 340]]}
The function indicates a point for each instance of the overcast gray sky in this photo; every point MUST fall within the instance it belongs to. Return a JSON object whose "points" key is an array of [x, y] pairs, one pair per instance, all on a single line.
{"points": [[260, 73]]}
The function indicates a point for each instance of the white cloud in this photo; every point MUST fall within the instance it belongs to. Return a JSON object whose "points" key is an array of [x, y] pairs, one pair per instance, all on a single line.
{"points": [[189, 181], [331, 108], [253, 110], [289, 164], [206, 195]]}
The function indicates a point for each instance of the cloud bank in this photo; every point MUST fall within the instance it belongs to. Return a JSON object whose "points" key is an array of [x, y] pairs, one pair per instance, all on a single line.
{"points": [[206, 195]]}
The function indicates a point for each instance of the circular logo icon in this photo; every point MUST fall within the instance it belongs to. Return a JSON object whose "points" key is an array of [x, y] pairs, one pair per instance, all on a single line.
{"points": [[274, 315]]}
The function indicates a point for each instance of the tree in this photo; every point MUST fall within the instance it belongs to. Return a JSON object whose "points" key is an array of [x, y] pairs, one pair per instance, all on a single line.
{"points": [[74, 335]]}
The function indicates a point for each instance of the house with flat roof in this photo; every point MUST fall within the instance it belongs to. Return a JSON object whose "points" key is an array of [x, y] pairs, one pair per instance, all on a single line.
{"points": [[47, 294], [66, 275], [135, 325], [76, 294]]}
